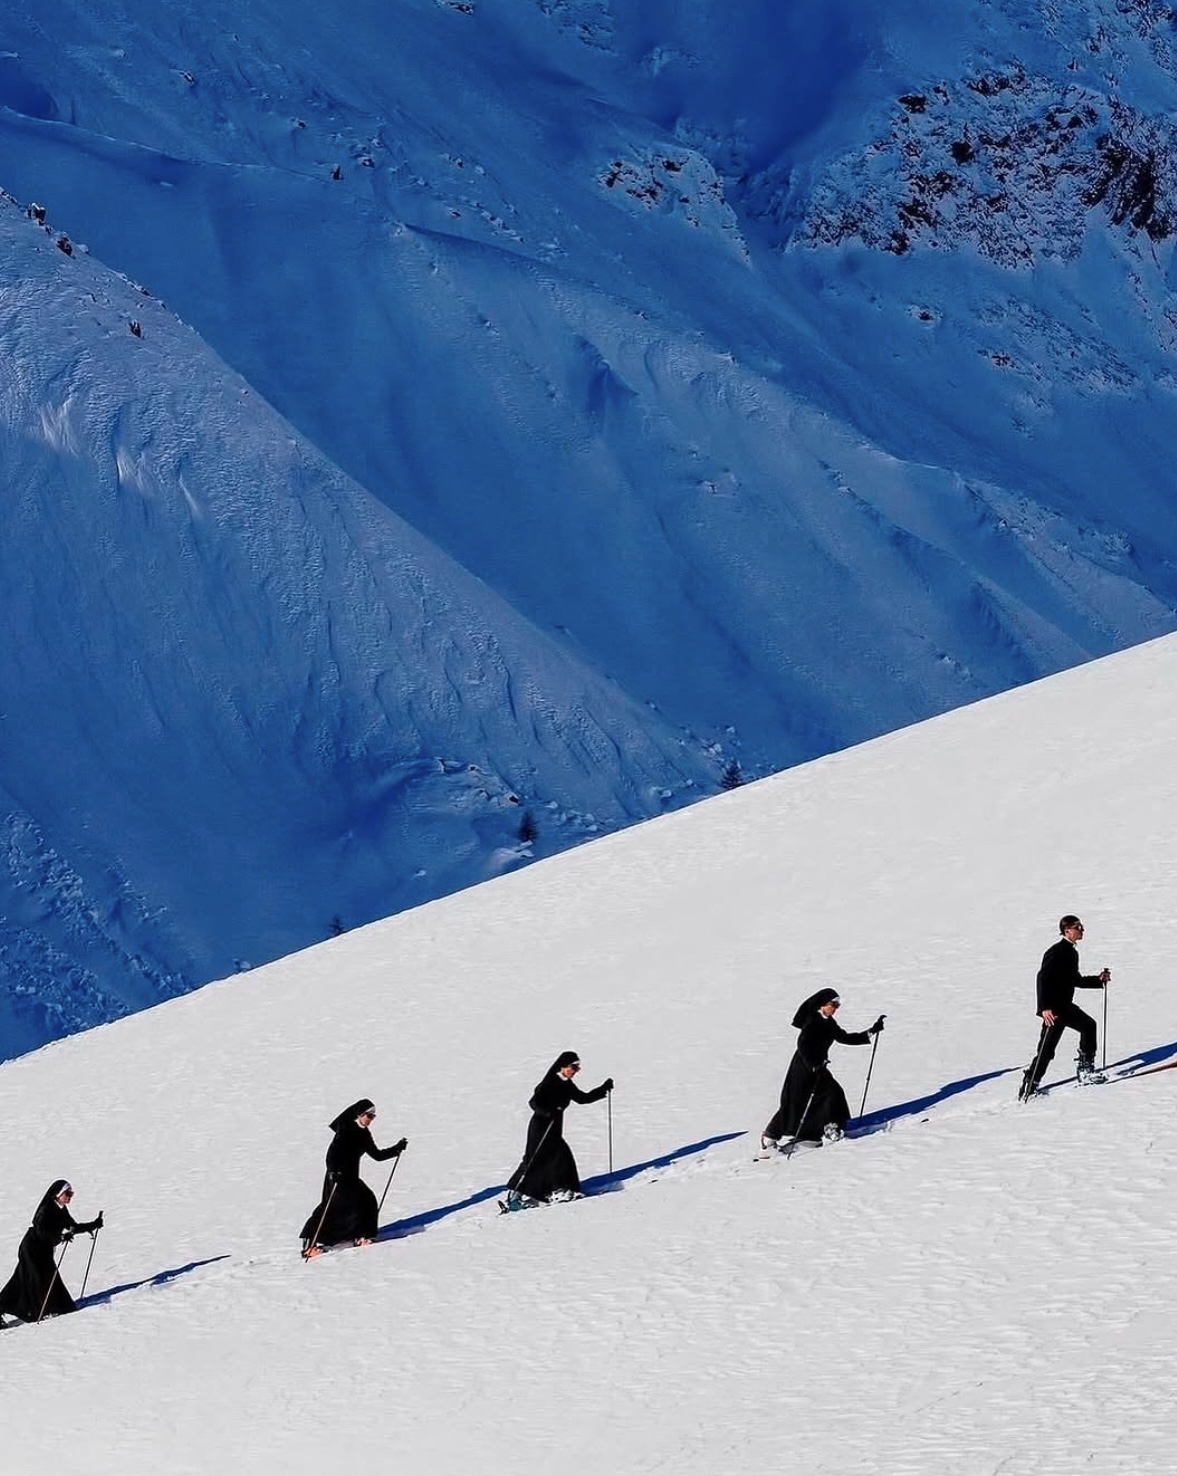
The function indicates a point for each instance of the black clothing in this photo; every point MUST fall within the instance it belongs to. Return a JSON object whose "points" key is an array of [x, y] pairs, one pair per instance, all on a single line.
{"points": [[349, 1114], [35, 1289], [548, 1166], [349, 1146], [809, 1007], [1069, 1018], [348, 1208], [1059, 977], [810, 1096]]}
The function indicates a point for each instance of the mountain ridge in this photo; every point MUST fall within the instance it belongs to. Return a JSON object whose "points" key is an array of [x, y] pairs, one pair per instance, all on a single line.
{"points": [[728, 486]]}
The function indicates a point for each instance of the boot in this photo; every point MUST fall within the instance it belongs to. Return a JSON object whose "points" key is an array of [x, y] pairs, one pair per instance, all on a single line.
{"points": [[1085, 1072], [1029, 1086]]}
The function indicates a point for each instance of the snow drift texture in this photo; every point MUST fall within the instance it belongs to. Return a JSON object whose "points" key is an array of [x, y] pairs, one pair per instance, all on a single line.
{"points": [[579, 398]]}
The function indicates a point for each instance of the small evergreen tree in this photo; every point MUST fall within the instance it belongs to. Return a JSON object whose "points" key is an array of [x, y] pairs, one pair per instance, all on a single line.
{"points": [[732, 776]]}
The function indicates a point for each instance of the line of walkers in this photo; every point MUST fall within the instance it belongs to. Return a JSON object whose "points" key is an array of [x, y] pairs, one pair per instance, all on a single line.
{"points": [[813, 1109], [348, 1211]]}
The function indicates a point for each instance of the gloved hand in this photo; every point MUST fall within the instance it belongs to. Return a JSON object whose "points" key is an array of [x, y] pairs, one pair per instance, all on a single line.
{"points": [[69, 1232], [608, 1083], [400, 1147], [877, 1026], [96, 1223]]}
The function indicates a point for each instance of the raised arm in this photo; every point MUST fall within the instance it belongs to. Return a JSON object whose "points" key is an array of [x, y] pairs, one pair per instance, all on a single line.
{"points": [[850, 1037], [595, 1095], [381, 1155]]}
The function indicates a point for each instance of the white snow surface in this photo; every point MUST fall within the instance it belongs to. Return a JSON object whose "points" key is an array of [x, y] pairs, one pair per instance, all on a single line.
{"points": [[978, 1288]]}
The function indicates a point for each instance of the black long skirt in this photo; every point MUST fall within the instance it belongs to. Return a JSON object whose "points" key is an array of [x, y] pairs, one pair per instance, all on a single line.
{"points": [[810, 1098], [547, 1166], [348, 1213], [35, 1276]]}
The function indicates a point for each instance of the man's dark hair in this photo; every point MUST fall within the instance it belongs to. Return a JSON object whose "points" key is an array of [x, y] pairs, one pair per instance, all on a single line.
{"points": [[1068, 922]]}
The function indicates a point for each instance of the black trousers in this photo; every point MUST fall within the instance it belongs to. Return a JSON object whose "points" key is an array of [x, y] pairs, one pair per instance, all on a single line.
{"points": [[1072, 1018]]}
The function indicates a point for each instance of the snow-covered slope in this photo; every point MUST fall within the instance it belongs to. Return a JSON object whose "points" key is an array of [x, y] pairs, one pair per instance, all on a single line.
{"points": [[979, 1287], [243, 705], [762, 383]]}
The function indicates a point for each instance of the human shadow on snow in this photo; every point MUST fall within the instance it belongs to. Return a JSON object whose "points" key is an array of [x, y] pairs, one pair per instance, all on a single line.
{"points": [[610, 1183], [1131, 1065], [873, 1122], [597, 1184], [161, 1278], [1152, 1057]]}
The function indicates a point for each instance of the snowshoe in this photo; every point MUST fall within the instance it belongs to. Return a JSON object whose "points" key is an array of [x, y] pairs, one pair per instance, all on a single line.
{"points": [[516, 1201]]}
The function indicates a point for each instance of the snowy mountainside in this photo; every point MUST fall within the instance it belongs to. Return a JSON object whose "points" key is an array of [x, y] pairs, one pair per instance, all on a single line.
{"points": [[875, 1306], [605, 303], [242, 703]]}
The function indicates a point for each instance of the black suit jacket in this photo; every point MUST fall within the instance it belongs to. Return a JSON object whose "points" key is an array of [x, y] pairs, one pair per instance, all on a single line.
{"points": [[1059, 977]]}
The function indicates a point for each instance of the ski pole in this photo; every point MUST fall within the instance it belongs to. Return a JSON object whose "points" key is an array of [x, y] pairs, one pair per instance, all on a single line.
{"points": [[808, 1105], [89, 1261], [869, 1069], [609, 1104], [526, 1169], [1033, 1078], [388, 1186], [53, 1279], [1104, 1067], [314, 1240]]}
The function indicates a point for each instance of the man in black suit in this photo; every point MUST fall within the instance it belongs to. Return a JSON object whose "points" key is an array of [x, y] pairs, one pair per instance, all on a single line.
{"points": [[1058, 978]]}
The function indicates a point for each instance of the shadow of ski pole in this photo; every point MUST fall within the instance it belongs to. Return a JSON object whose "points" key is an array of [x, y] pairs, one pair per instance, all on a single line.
{"points": [[598, 1184], [161, 1278], [606, 1183], [872, 1122], [414, 1224]]}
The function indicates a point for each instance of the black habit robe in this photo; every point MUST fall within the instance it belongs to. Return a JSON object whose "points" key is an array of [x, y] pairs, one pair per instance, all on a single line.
{"points": [[548, 1166]]}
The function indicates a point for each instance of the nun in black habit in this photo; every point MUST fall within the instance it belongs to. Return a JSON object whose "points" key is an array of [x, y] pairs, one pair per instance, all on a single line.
{"points": [[813, 1105], [35, 1289], [348, 1209], [548, 1170]]}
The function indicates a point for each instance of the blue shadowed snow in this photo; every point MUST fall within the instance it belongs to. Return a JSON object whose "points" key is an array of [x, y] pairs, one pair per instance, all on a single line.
{"points": [[607, 1183], [161, 1278], [872, 1122], [382, 469], [596, 1184]]}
